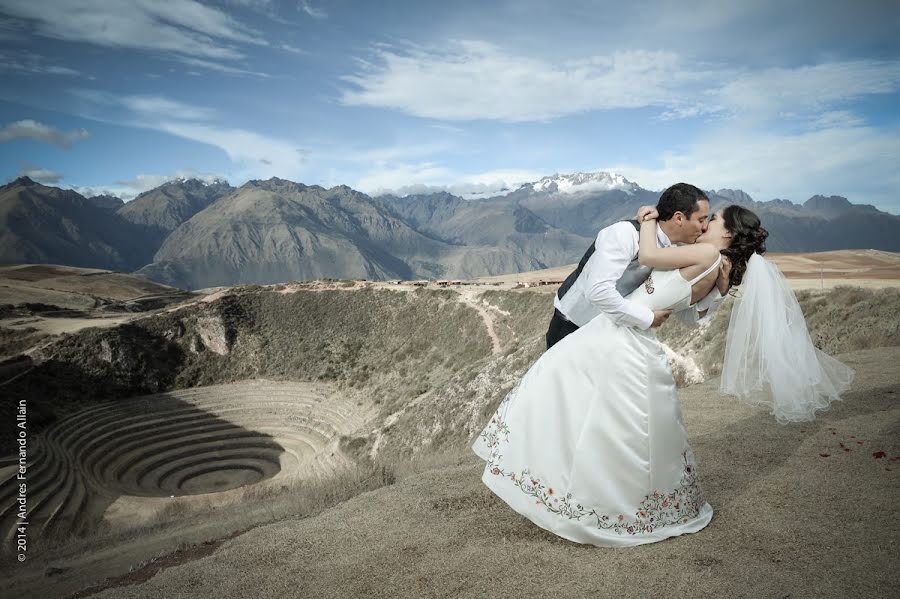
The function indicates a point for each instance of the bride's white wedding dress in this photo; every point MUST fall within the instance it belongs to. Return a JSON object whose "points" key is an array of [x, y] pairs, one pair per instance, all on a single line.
{"points": [[590, 444]]}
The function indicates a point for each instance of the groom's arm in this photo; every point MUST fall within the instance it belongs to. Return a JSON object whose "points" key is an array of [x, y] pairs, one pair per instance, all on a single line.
{"points": [[702, 312], [616, 246]]}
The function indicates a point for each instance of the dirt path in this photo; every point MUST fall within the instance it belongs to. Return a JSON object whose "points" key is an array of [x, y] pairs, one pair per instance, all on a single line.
{"points": [[468, 297]]}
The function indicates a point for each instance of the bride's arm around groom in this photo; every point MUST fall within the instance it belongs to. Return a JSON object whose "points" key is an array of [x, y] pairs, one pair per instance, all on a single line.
{"points": [[610, 270]]}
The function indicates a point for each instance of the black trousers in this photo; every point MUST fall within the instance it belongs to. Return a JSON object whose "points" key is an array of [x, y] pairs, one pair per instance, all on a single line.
{"points": [[559, 328]]}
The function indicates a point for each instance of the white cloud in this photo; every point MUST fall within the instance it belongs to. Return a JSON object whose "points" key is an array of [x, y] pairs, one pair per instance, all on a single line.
{"points": [[316, 13], [836, 118], [430, 177], [777, 132], [254, 4], [142, 182], [805, 89], [856, 162], [222, 68], [254, 154], [130, 189], [402, 177], [160, 106], [493, 182], [43, 175], [477, 80], [182, 26], [29, 129], [27, 62], [258, 155], [293, 49], [470, 80]]}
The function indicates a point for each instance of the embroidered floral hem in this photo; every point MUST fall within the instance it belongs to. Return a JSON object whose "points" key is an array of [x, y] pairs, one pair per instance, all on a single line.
{"points": [[679, 506]]}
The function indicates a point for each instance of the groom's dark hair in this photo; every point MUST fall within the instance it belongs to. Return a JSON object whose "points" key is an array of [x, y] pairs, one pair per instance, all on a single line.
{"points": [[681, 197]]}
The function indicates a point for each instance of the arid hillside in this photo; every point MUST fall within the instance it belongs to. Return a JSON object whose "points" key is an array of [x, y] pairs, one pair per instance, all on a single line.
{"points": [[216, 412]]}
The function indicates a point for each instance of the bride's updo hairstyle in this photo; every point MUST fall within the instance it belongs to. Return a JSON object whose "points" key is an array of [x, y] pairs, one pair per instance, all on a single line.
{"points": [[747, 237]]}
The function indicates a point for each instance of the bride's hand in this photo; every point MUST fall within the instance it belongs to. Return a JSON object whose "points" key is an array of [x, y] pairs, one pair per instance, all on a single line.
{"points": [[646, 213]]}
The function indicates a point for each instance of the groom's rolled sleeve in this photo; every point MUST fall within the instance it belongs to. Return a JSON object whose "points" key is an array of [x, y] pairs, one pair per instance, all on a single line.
{"points": [[618, 245], [708, 304]]}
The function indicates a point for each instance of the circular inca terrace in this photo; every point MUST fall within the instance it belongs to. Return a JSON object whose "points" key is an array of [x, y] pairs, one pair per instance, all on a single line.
{"points": [[194, 441]]}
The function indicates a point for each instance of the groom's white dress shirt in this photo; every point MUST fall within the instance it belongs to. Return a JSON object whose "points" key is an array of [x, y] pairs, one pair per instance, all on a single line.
{"points": [[594, 291]]}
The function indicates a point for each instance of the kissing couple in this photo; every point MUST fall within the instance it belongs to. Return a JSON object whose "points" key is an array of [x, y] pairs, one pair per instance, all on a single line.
{"points": [[590, 443]]}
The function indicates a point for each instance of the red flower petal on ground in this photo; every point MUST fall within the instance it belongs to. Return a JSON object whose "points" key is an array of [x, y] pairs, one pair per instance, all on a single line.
{"points": [[879, 454], [824, 455]]}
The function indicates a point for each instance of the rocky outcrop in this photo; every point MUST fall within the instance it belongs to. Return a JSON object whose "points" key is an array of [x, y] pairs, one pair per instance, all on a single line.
{"points": [[211, 334]]}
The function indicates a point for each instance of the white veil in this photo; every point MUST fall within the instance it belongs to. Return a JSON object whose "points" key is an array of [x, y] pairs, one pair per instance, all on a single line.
{"points": [[770, 360]]}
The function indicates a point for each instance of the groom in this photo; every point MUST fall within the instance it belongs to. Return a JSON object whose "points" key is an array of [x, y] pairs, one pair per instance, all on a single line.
{"points": [[610, 270]]}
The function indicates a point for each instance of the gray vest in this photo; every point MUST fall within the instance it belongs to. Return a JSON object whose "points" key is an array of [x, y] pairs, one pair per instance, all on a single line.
{"points": [[575, 306], [633, 277]]}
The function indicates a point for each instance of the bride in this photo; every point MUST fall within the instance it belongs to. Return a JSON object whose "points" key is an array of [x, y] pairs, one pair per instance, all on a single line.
{"points": [[590, 444]]}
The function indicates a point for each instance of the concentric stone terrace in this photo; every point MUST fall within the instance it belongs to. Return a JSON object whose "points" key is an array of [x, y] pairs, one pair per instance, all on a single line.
{"points": [[187, 442]]}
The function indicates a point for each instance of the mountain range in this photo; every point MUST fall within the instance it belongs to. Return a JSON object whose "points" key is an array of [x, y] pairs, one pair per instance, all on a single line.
{"points": [[194, 234]]}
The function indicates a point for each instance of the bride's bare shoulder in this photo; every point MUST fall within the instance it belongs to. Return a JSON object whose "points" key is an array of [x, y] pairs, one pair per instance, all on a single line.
{"points": [[707, 251]]}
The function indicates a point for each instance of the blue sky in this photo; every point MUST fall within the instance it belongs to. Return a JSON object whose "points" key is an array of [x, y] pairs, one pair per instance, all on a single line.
{"points": [[782, 99]]}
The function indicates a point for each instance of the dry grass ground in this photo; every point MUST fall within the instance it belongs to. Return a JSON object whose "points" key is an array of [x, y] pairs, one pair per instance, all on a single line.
{"points": [[73, 287], [801, 511], [424, 368]]}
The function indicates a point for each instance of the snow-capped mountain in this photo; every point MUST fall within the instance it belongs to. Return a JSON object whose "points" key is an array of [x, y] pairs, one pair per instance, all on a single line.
{"points": [[204, 181], [581, 182]]}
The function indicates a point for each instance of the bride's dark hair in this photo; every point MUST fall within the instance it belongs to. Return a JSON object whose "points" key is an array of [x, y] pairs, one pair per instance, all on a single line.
{"points": [[747, 237]]}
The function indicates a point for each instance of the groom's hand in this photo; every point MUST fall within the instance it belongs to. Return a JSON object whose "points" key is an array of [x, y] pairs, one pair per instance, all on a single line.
{"points": [[659, 317], [722, 281]]}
